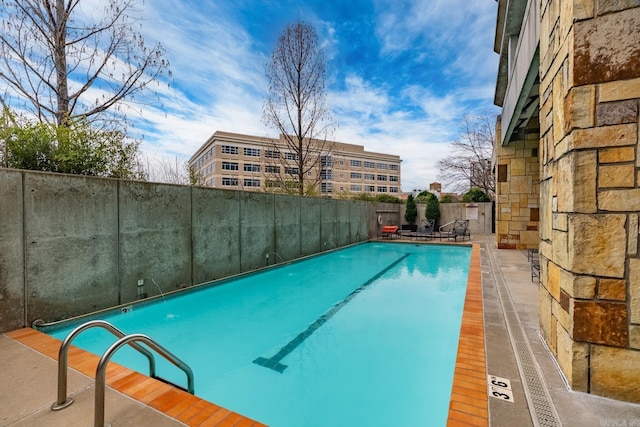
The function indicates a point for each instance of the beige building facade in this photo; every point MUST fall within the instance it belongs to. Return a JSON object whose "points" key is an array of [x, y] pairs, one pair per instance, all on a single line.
{"points": [[252, 163], [569, 88]]}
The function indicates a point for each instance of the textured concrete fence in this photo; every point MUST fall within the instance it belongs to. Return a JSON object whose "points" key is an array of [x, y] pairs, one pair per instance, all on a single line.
{"points": [[480, 215], [70, 244]]}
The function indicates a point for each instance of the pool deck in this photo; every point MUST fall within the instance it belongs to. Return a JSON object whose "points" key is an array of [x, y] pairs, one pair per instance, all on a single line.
{"points": [[500, 290]]}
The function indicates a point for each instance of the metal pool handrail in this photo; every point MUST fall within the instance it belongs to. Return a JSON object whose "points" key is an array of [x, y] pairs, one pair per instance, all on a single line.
{"points": [[62, 400], [101, 371]]}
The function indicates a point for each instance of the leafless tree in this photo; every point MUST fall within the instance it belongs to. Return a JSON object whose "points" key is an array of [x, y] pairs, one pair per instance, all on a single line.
{"points": [[67, 59], [296, 107], [173, 171], [469, 163]]}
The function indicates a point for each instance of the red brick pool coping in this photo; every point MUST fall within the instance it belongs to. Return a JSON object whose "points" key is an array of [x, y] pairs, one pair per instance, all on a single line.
{"points": [[468, 405], [178, 404]]}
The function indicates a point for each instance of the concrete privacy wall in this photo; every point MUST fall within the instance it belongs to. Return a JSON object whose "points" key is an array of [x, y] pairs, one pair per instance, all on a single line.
{"points": [[70, 244], [479, 215], [590, 193]]}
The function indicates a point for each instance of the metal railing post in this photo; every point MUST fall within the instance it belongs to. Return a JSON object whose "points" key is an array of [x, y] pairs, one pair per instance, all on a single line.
{"points": [[62, 400], [101, 370]]}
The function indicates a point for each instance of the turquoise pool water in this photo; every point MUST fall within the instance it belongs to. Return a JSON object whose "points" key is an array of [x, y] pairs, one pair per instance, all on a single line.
{"points": [[363, 336]]}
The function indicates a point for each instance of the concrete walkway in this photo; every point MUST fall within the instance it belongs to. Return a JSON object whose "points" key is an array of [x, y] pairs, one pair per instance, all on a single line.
{"points": [[508, 286], [28, 378], [28, 384]]}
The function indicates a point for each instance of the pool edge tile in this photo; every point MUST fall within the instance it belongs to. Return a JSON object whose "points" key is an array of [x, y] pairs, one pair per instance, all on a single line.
{"points": [[126, 378], [471, 374]]}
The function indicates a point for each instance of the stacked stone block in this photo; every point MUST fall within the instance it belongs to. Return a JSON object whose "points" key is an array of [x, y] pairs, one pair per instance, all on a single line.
{"points": [[590, 192], [518, 191]]}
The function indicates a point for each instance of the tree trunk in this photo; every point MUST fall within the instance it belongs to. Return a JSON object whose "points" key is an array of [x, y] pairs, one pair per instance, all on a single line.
{"points": [[60, 61]]}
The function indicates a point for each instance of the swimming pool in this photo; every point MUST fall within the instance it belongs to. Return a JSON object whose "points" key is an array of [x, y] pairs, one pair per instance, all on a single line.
{"points": [[366, 335]]}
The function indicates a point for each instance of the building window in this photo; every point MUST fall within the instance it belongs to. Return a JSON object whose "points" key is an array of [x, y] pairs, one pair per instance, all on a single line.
{"points": [[211, 182], [326, 161], [393, 178], [357, 188], [229, 149], [369, 165], [326, 187], [291, 171], [326, 174], [369, 176], [272, 154], [382, 165], [230, 182], [369, 188], [382, 189], [502, 173], [382, 177], [356, 163], [229, 166], [291, 156], [272, 169], [393, 190], [249, 167], [393, 167], [356, 175], [251, 182], [253, 152], [534, 214]]}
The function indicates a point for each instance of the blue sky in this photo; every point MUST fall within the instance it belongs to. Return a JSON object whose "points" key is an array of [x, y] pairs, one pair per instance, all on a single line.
{"points": [[400, 74]]}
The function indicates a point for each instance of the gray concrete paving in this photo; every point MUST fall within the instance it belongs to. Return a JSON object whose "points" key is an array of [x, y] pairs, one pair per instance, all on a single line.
{"points": [[28, 388], [572, 408]]}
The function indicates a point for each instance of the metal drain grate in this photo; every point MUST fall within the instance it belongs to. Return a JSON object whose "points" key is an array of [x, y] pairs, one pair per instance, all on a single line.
{"points": [[542, 411]]}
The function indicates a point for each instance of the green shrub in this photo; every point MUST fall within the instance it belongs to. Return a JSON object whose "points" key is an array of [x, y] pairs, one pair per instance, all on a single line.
{"points": [[433, 210], [411, 212], [476, 195]]}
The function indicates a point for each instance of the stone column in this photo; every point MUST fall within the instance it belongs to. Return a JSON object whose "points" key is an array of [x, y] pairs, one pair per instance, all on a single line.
{"points": [[590, 192], [517, 192]]}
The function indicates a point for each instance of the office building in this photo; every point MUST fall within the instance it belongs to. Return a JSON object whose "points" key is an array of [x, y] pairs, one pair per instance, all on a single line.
{"points": [[252, 163]]}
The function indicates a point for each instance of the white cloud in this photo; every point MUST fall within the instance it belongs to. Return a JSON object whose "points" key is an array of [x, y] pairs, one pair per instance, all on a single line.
{"points": [[218, 76]]}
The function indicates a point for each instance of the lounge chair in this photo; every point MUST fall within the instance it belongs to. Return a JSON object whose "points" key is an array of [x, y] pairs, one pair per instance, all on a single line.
{"points": [[390, 231], [426, 230], [407, 230], [458, 228]]}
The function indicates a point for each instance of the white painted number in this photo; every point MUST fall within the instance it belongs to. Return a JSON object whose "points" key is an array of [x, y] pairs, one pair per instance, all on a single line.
{"points": [[499, 383], [501, 393], [500, 388]]}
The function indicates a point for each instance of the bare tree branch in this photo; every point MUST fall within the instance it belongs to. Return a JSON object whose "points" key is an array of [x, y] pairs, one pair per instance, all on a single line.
{"points": [[54, 56], [469, 164], [297, 108]]}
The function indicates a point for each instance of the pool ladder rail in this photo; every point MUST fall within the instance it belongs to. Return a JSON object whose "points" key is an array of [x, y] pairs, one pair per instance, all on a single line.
{"points": [[63, 401]]}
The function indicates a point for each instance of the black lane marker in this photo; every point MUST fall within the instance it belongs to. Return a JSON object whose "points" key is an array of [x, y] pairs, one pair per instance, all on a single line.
{"points": [[273, 362]]}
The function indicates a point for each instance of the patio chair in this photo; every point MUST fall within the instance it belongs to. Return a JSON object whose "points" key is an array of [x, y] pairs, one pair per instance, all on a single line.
{"points": [[389, 231], [407, 230], [455, 229], [426, 230]]}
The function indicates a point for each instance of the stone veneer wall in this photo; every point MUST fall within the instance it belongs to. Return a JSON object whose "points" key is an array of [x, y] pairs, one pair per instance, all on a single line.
{"points": [[518, 192], [590, 192]]}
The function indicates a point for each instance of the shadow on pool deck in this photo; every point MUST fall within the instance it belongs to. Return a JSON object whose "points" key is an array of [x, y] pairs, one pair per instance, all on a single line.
{"points": [[28, 383]]}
